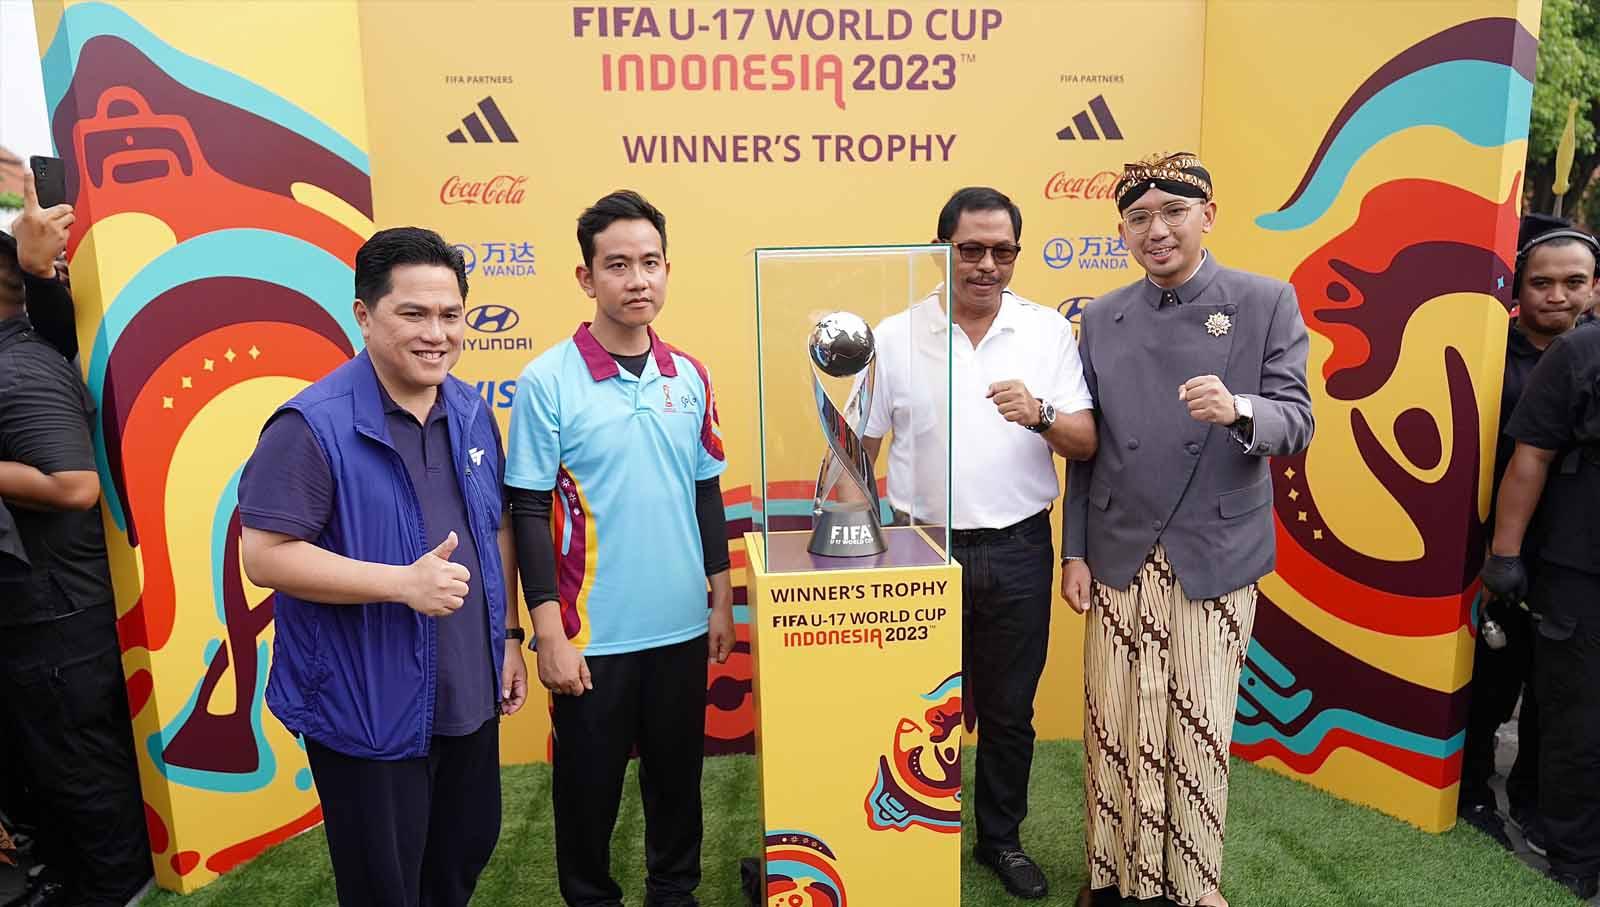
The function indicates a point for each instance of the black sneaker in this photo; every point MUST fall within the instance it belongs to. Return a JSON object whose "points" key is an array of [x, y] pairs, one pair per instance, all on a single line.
{"points": [[1021, 876], [1582, 888], [1486, 820], [1532, 828]]}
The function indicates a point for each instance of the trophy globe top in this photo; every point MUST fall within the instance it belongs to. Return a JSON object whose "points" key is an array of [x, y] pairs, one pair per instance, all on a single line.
{"points": [[841, 344]]}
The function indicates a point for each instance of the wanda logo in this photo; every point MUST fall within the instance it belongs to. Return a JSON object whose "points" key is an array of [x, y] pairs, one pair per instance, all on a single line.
{"points": [[1098, 186], [503, 189]]}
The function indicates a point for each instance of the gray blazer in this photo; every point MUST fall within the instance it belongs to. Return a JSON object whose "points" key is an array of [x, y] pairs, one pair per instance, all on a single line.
{"points": [[1158, 473]]}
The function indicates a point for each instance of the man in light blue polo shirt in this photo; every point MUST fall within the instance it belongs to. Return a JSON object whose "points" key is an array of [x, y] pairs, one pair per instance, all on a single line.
{"points": [[612, 470]]}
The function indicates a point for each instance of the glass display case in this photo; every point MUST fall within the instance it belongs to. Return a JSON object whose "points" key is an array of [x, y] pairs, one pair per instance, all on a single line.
{"points": [[853, 393]]}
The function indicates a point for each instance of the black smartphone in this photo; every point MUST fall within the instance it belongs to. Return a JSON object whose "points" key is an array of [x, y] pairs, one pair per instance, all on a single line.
{"points": [[49, 180]]}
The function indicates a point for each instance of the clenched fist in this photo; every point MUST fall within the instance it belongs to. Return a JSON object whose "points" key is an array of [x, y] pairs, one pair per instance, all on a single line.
{"points": [[437, 586], [1208, 400], [1015, 403]]}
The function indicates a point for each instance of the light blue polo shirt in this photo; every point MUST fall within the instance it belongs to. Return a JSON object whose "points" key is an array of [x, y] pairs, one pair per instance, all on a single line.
{"points": [[623, 455]]}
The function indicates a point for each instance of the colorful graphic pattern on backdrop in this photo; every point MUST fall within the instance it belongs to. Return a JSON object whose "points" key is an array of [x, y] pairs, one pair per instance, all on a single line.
{"points": [[1317, 684], [223, 280]]}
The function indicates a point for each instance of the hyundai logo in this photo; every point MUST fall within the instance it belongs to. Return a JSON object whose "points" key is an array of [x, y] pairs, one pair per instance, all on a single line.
{"points": [[1058, 253], [493, 319]]}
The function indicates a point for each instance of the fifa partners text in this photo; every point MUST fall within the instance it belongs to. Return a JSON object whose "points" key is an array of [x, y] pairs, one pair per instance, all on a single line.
{"points": [[826, 73]]}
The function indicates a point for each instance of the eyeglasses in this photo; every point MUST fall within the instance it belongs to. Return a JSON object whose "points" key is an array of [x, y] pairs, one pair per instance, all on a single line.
{"points": [[972, 252], [1172, 213]]}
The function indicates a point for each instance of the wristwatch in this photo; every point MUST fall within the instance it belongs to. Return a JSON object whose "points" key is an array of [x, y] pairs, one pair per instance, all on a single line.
{"points": [[1047, 417], [1241, 405], [516, 634]]}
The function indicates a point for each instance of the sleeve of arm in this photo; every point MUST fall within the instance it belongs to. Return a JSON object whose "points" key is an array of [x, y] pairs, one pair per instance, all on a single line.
{"points": [[1075, 515], [713, 522], [880, 413], [287, 486], [44, 421], [1282, 422], [533, 447], [712, 460], [536, 551], [1070, 390], [1548, 410], [50, 309]]}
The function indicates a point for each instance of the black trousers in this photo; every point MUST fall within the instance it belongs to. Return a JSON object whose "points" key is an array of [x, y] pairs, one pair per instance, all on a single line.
{"points": [[1567, 676], [411, 832], [1005, 626], [1499, 677], [64, 711], [654, 702]]}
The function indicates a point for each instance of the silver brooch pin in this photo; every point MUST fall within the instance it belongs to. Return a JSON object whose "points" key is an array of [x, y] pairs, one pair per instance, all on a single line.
{"points": [[1218, 324]]}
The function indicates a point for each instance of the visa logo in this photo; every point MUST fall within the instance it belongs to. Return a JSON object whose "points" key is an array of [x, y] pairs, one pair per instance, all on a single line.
{"points": [[497, 394]]}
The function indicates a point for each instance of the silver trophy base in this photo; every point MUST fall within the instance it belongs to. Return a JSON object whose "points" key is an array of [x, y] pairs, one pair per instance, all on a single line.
{"points": [[845, 532]]}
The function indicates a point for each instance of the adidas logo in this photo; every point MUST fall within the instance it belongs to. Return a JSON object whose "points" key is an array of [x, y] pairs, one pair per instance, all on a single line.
{"points": [[1085, 126], [474, 126]]}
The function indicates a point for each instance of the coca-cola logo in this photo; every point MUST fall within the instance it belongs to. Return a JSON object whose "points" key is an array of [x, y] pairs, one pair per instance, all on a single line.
{"points": [[502, 189], [1099, 186]]}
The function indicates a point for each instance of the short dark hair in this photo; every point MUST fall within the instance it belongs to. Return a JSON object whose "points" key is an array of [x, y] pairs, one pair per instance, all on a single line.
{"points": [[977, 198], [11, 286], [623, 204], [389, 249]]}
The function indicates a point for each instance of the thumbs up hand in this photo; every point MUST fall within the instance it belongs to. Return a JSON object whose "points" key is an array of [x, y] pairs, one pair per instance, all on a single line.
{"points": [[437, 586]]}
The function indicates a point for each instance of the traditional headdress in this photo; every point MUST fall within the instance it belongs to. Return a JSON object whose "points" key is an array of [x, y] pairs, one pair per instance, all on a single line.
{"points": [[1179, 174]]}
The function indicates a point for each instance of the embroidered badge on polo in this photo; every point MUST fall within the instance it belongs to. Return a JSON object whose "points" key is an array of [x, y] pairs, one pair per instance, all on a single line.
{"points": [[476, 454]]}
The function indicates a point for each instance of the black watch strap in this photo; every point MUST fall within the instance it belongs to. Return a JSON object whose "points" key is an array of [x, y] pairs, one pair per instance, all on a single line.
{"points": [[516, 633]]}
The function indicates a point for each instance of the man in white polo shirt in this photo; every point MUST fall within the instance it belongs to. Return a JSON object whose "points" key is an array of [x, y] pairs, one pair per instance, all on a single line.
{"points": [[1017, 397]]}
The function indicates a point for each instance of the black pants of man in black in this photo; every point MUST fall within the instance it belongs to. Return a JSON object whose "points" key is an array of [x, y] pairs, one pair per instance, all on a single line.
{"points": [[1005, 626], [1499, 677], [653, 701], [64, 709], [1567, 677], [411, 832]]}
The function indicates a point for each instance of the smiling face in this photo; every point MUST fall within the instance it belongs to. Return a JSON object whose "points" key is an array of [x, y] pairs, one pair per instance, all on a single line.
{"points": [[413, 333], [1168, 254], [1557, 284], [627, 277]]}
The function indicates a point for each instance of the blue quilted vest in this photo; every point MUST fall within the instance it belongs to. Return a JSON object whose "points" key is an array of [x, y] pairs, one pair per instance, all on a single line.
{"points": [[360, 679]]}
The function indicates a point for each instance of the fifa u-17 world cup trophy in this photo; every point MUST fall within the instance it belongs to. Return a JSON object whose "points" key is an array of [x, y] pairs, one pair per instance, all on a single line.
{"points": [[845, 512]]}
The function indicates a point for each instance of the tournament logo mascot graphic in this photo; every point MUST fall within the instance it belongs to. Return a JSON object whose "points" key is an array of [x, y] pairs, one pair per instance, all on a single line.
{"points": [[919, 783]]}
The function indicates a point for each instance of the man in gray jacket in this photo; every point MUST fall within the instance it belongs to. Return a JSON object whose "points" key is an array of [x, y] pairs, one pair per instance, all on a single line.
{"points": [[1198, 373]]}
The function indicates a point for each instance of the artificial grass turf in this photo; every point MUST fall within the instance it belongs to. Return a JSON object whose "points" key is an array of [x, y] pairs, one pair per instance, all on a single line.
{"points": [[1288, 845]]}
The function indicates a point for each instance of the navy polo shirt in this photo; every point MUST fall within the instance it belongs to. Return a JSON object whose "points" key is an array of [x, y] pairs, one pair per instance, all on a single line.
{"points": [[287, 487]]}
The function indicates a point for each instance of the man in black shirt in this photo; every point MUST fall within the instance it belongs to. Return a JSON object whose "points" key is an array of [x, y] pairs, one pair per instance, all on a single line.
{"points": [[1553, 285], [63, 705], [1556, 470]]}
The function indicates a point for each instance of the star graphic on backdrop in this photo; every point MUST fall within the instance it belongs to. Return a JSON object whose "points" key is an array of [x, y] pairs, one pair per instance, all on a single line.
{"points": [[209, 365], [230, 355]]}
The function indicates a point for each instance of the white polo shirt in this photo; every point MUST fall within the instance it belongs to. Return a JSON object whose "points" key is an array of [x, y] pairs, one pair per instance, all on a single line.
{"points": [[1001, 473]]}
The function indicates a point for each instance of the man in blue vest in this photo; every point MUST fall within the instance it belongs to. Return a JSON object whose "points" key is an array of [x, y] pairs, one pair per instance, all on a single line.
{"points": [[372, 505]]}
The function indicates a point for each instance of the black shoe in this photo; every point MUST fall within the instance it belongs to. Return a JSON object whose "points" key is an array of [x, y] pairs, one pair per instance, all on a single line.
{"points": [[48, 894], [1486, 820], [1021, 876], [1532, 828], [1582, 888]]}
